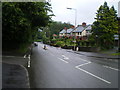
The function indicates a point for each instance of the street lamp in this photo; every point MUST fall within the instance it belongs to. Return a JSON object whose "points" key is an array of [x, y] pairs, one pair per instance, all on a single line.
{"points": [[75, 21], [119, 26], [75, 13]]}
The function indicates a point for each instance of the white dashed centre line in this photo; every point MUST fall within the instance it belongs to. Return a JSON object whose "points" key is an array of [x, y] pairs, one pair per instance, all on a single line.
{"points": [[110, 68], [65, 57], [62, 60]]}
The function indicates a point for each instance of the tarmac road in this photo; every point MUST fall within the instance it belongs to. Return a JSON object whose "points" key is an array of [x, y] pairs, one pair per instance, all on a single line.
{"points": [[61, 68]]}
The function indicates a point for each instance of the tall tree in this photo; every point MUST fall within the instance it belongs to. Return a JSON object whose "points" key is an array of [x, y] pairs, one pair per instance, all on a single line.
{"points": [[56, 27], [105, 26], [20, 21]]}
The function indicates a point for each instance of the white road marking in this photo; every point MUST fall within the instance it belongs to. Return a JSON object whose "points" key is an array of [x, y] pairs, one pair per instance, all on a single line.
{"points": [[111, 68], [84, 60], [62, 60], [93, 75], [29, 61], [24, 56], [65, 57], [82, 64]]}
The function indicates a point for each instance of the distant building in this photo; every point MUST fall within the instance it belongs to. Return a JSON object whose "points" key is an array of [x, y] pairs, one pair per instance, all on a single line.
{"points": [[66, 32], [81, 32], [54, 36], [63, 32]]}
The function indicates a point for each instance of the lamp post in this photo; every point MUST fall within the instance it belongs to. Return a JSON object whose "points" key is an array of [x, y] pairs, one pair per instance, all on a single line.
{"points": [[118, 34], [119, 26], [75, 14], [75, 21]]}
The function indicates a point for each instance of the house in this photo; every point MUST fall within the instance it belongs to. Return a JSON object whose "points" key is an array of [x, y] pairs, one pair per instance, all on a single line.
{"points": [[54, 36], [62, 32], [88, 30], [66, 32], [81, 31]]}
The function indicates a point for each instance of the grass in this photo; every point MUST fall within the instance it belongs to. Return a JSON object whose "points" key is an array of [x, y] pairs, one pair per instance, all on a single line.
{"points": [[115, 54], [23, 48]]}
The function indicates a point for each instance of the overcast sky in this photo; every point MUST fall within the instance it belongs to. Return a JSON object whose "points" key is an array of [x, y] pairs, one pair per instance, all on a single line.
{"points": [[86, 10]]}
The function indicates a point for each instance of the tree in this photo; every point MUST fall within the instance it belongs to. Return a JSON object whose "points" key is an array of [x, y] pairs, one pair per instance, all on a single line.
{"points": [[105, 26], [20, 21], [56, 27]]}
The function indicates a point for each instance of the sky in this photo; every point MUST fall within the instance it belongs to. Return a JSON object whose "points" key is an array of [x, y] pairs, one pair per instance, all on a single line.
{"points": [[86, 10]]}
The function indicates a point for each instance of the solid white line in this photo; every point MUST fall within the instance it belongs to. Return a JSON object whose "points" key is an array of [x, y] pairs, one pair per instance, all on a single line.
{"points": [[83, 64], [29, 61], [111, 68], [62, 60], [93, 75]]}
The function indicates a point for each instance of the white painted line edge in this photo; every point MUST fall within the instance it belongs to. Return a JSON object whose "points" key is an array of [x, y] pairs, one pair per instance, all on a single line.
{"points": [[29, 61], [83, 64], [111, 68], [93, 75], [62, 60]]}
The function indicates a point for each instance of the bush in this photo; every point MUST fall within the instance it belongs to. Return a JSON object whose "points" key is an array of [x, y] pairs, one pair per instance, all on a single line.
{"points": [[60, 43]]}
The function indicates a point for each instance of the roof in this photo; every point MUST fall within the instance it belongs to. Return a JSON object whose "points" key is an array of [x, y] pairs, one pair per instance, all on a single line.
{"points": [[63, 31], [54, 35], [79, 29], [70, 30], [89, 27]]}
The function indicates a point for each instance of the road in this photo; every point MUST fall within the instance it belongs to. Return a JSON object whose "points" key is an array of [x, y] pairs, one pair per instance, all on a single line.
{"points": [[61, 68]]}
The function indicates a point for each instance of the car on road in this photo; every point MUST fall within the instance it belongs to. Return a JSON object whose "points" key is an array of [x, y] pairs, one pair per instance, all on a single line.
{"points": [[35, 44]]}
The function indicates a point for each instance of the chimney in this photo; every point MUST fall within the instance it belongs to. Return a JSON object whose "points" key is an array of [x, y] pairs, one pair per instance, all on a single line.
{"points": [[65, 28], [83, 24], [72, 27]]}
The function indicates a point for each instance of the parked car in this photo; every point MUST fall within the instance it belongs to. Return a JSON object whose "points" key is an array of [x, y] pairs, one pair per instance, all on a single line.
{"points": [[35, 44]]}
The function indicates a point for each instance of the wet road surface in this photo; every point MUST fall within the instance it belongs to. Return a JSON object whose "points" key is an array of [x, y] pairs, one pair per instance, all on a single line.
{"points": [[61, 68]]}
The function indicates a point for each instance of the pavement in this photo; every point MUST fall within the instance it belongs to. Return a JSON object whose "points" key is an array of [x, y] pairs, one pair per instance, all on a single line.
{"points": [[14, 76], [14, 71], [98, 55]]}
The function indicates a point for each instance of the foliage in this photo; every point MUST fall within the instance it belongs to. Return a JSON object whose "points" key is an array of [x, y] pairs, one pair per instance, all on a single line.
{"points": [[56, 27], [105, 26], [60, 43], [20, 21], [69, 42]]}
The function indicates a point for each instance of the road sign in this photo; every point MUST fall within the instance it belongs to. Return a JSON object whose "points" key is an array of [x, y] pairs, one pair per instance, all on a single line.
{"points": [[116, 37]]}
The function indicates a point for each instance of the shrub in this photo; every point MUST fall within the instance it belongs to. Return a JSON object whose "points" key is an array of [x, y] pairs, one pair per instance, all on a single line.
{"points": [[60, 43]]}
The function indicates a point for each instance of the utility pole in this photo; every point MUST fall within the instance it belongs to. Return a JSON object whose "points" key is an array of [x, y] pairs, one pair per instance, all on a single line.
{"points": [[119, 26], [75, 22]]}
